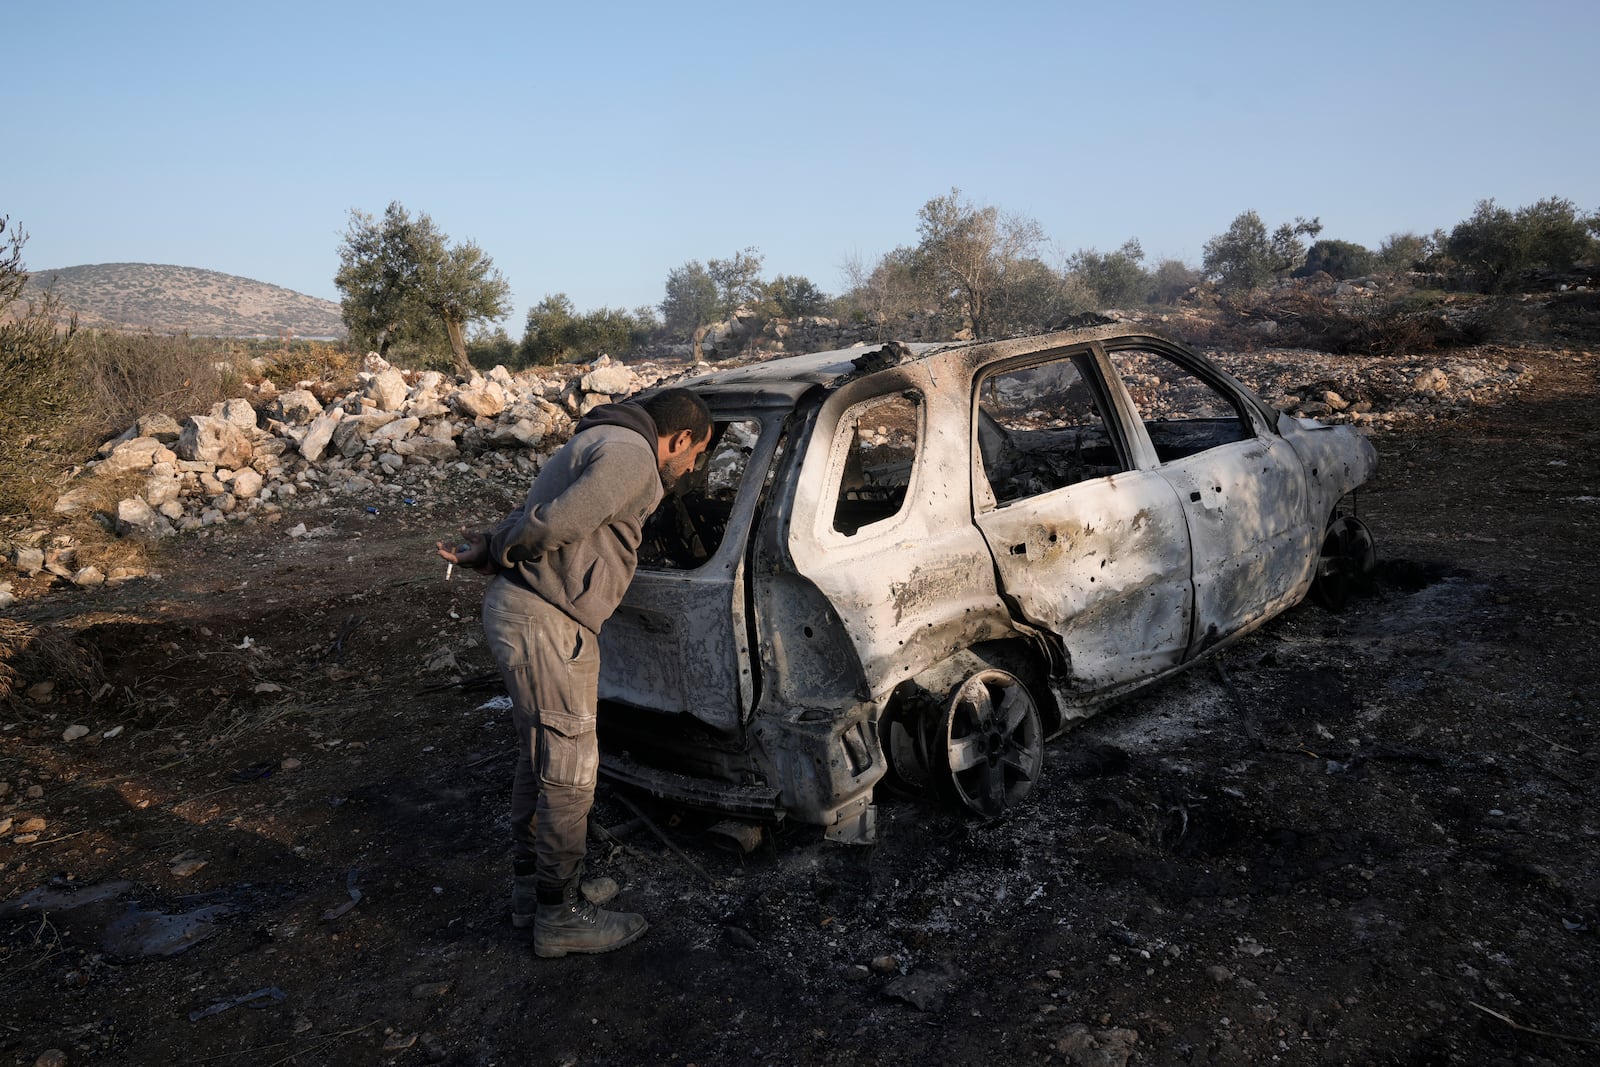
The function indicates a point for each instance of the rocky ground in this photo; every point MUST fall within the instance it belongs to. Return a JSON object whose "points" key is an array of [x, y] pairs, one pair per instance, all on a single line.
{"points": [[247, 817]]}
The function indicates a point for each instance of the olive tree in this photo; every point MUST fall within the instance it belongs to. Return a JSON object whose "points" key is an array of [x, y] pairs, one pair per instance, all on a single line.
{"points": [[1340, 259], [738, 279], [884, 295], [402, 280], [1245, 257], [967, 253], [556, 332], [795, 295], [1496, 245], [691, 299], [1401, 252], [1115, 278]]}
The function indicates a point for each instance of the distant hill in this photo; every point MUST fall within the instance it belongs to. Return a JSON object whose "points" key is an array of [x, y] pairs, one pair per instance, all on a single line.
{"points": [[166, 299]]}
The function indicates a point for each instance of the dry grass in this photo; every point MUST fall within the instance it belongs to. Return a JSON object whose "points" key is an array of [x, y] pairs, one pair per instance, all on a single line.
{"points": [[28, 652], [124, 376], [314, 361], [96, 542]]}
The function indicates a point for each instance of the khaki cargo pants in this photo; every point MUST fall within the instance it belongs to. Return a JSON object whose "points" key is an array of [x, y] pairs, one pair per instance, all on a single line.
{"points": [[551, 669]]}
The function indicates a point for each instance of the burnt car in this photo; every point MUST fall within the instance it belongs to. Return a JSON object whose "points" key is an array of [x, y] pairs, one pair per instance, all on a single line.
{"points": [[915, 564]]}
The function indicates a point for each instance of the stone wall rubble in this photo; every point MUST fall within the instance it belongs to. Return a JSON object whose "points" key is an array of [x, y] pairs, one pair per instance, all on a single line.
{"points": [[393, 431]]}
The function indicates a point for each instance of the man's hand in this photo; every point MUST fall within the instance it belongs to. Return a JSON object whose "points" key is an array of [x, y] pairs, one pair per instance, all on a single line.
{"points": [[473, 551]]}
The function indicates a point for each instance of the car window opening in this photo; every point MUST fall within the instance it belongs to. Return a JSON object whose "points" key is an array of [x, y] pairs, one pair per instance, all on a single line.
{"points": [[689, 524], [1041, 428], [877, 463], [1183, 413]]}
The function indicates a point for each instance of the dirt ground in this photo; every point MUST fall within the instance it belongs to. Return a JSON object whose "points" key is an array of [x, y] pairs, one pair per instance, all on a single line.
{"points": [[1358, 838]]}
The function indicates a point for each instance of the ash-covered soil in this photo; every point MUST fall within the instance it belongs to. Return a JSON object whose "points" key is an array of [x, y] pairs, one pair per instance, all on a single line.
{"points": [[1367, 837]]}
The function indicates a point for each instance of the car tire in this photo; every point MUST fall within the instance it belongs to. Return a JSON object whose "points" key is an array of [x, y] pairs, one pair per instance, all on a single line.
{"points": [[987, 747]]}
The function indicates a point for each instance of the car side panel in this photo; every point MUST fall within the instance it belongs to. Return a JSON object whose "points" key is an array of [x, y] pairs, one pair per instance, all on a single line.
{"points": [[1104, 565], [912, 590], [1252, 546]]}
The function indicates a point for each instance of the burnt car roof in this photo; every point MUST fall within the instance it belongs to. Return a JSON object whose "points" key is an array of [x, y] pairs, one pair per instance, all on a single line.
{"points": [[782, 381]]}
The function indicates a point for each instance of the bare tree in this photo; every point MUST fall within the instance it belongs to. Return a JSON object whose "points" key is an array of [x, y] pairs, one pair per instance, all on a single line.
{"points": [[968, 252]]}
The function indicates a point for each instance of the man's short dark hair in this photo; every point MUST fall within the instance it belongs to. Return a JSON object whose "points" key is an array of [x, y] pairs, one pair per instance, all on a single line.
{"points": [[675, 410]]}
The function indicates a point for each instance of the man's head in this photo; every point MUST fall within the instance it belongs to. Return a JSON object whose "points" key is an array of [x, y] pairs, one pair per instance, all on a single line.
{"points": [[683, 429]]}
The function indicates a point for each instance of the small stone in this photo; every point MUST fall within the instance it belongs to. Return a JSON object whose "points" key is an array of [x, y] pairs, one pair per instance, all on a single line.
{"points": [[6, 823], [186, 865], [739, 937], [885, 965], [35, 792], [925, 990], [1083, 1046], [51, 1057], [246, 484], [39, 692], [1218, 973], [290, 764], [34, 825], [72, 733], [1431, 381], [115, 731], [398, 1042], [429, 990], [88, 577]]}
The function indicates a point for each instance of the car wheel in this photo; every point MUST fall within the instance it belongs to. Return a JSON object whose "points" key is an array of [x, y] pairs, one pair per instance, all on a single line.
{"points": [[1345, 564], [905, 745], [991, 742]]}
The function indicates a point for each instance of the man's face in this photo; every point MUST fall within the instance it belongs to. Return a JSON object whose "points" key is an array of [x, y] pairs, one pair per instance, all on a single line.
{"points": [[679, 456]]}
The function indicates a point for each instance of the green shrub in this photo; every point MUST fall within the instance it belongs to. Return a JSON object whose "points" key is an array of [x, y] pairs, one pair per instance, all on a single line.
{"points": [[1115, 278], [1402, 252], [794, 296], [1495, 247], [1172, 280], [1341, 259], [488, 350], [556, 333], [38, 387]]}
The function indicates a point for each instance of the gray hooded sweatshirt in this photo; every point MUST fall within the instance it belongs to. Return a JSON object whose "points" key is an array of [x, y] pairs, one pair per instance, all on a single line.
{"points": [[575, 540]]}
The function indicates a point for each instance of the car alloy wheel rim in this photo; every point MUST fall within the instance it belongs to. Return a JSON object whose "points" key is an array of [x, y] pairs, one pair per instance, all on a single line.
{"points": [[993, 743]]}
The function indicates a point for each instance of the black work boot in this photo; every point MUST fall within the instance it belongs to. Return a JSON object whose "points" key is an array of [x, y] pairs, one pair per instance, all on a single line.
{"points": [[576, 924], [525, 892]]}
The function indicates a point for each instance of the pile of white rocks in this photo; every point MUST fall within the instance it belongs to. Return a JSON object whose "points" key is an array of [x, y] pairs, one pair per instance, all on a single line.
{"points": [[1376, 390], [395, 428]]}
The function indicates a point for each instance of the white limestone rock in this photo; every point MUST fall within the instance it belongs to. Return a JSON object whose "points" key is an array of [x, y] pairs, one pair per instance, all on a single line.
{"points": [[387, 389], [319, 433], [208, 439]]}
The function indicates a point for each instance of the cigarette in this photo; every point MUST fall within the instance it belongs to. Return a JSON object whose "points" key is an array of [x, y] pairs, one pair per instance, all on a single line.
{"points": [[449, 568]]}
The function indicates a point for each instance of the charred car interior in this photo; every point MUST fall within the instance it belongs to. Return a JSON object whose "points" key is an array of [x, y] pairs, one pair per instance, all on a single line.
{"points": [[912, 565]]}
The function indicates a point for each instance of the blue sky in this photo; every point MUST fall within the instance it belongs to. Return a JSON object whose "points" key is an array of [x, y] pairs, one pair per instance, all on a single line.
{"points": [[589, 149]]}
